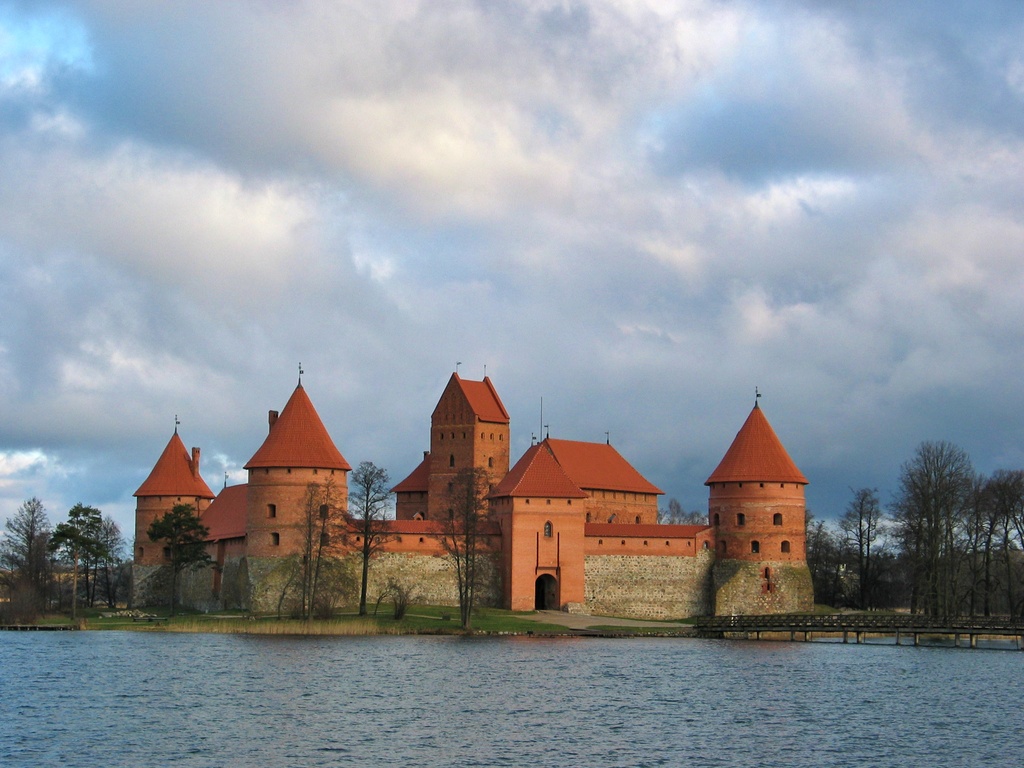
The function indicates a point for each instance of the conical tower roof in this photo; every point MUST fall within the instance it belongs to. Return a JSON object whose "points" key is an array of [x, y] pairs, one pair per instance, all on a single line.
{"points": [[298, 439], [175, 474], [755, 455]]}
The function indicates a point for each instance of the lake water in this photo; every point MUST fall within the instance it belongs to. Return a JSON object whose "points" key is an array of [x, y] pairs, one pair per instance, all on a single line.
{"points": [[150, 699]]}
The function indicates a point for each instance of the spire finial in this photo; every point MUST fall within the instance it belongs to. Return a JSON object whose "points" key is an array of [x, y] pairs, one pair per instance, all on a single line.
{"points": [[300, 374], [225, 478], [176, 423], [457, 364], [547, 432], [607, 438], [757, 396]]}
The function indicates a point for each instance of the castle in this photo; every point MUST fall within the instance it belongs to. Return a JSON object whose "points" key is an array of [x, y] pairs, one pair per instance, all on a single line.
{"points": [[574, 525]]}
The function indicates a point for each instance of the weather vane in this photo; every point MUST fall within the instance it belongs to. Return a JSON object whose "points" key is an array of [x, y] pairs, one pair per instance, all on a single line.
{"points": [[457, 364], [757, 395], [176, 423], [300, 373], [607, 438]]}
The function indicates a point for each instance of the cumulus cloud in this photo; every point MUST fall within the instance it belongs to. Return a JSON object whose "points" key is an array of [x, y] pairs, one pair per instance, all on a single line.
{"points": [[638, 212]]}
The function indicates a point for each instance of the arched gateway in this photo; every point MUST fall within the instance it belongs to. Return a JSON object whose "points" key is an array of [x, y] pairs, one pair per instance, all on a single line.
{"points": [[546, 593]]}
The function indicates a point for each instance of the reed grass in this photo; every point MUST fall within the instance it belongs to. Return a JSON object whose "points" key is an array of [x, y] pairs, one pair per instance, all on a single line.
{"points": [[280, 627]]}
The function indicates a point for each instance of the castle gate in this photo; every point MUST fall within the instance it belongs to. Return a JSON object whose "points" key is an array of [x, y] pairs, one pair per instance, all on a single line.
{"points": [[546, 593]]}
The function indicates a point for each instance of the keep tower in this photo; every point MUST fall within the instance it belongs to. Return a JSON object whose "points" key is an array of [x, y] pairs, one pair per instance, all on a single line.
{"points": [[297, 451], [757, 512], [174, 480], [468, 428]]}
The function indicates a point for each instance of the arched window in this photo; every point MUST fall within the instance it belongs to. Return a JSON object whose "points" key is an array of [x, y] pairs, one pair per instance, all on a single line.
{"points": [[451, 460], [490, 461], [547, 530], [717, 521], [588, 517], [418, 516], [777, 518], [755, 547], [741, 519], [785, 547], [638, 519]]}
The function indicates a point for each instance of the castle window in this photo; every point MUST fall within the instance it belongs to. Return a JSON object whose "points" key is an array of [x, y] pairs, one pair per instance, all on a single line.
{"points": [[706, 545], [547, 530], [645, 543], [623, 542], [316, 471], [600, 542], [289, 470], [463, 435], [275, 539], [481, 435], [568, 502], [490, 461], [527, 501], [421, 539], [500, 438], [492, 435], [549, 502], [418, 516], [767, 573], [638, 519], [271, 510], [666, 544], [441, 435], [777, 518], [451, 460], [588, 517], [755, 547], [785, 547], [741, 519], [323, 511], [716, 519], [141, 552], [167, 551]]}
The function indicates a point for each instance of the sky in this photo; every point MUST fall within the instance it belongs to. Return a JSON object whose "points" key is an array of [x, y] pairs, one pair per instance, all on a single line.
{"points": [[636, 211]]}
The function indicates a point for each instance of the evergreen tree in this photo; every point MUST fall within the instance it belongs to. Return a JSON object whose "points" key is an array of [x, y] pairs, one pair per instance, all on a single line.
{"points": [[184, 536]]}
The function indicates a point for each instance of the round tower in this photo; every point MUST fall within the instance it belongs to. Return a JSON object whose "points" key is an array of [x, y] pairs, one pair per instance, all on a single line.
{"points": [[297, 455], [175, 479], [757, 513]]}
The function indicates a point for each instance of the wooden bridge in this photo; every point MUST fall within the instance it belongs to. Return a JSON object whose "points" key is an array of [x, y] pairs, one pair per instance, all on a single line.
{"points": [[860, 626]]}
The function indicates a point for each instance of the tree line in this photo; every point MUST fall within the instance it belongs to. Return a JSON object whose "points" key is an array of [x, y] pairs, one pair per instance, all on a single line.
{"points": [[83, 560], [950, 542]]}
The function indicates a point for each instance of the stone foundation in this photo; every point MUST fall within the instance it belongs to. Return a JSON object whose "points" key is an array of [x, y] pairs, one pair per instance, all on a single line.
{"points": [[741, 588], [646, 587]]}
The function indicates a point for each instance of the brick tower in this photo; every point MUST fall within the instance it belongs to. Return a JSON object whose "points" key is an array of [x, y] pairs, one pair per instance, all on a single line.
{"points": [[298, 452], [175, 479], [468, 428], [757, 514]]}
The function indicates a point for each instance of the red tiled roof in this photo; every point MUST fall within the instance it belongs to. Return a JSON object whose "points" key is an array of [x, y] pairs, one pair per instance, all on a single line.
{"points": [[756, 454], [483, 399], [174, 475], [537, 473], [225, 517], [418, 479], [298, 439], [625, 530], [598, 466]]}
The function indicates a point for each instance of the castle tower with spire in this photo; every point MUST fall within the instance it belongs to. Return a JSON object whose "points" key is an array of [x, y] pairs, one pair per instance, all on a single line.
{"points": [[757, 513], [297, 452], [174, 480]]}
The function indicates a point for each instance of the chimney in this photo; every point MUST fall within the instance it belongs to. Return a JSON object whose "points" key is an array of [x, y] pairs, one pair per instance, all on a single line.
{"points": [[426, 454], [272, 418], [194, 464]]}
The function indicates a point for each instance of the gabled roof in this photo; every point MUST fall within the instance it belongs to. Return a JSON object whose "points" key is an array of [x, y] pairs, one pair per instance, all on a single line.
{"points": [[418, 480], [537, 473], [175, 474], [298, 439], [756, 454], [598, 466], [225, 517], [482, 398]]}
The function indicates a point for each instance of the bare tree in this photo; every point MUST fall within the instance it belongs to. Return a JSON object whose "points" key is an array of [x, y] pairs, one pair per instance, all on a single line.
{"points": [[461, 535], [368, 505], [25, 565], [824, 560], [1003, 514], [322, 535], [676, 515], [931, 508], [861, 525]]}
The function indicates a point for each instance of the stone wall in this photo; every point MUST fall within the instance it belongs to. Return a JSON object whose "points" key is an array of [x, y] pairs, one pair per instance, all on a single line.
{"points": [[151, 585], [745, 588], [432, 578], [647, 587]]}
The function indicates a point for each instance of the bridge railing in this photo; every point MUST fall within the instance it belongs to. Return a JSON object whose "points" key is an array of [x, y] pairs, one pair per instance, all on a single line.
{"points": [[858, 622]]}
